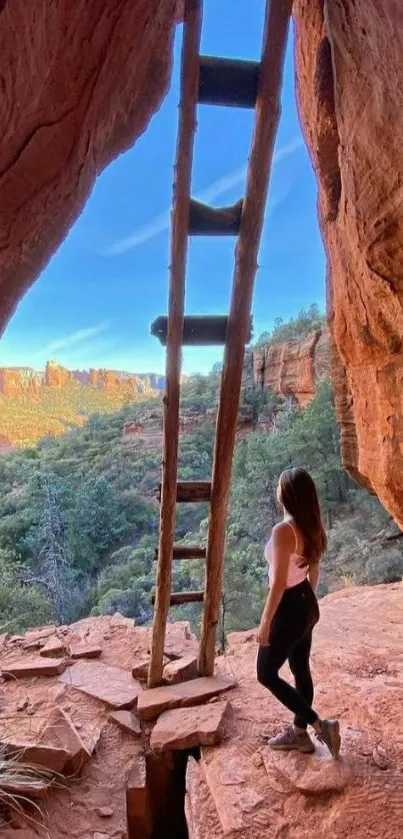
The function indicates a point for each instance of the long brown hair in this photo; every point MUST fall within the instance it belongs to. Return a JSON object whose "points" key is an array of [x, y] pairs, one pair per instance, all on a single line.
{"points": [[299, 498]]}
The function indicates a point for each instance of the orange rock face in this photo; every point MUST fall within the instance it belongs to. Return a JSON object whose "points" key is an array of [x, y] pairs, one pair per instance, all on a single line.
{"points": [[294, 368], [55, 375], [350, 80], [109, 67], [10, 382]]}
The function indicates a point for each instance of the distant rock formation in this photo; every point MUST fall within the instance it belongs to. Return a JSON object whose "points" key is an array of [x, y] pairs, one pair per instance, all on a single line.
{"points": [[293, 368], [55, 375], [149, 428], [11, 384], [16, 381], [34, 404]]}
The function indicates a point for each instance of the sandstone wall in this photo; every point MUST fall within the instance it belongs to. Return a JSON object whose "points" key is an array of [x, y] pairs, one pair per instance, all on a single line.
{"points": [[294, 368], [349, 56], [79, 83]]}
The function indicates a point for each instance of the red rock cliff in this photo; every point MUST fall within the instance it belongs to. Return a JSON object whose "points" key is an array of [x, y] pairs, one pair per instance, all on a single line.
{"points": [[79, 83], [294, 368], [10, 382], [17, 381], [56, 375], [349, 56]]}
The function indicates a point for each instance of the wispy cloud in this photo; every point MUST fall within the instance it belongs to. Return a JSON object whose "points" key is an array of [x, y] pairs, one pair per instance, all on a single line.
{"points": [[215, 190], [75, 338]]}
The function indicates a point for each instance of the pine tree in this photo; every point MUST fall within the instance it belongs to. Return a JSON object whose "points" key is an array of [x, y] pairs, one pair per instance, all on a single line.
{"points": [[53, 561]]}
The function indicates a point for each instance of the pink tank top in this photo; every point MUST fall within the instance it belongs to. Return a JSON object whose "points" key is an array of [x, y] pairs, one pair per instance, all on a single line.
{"points": [[297, 572]]}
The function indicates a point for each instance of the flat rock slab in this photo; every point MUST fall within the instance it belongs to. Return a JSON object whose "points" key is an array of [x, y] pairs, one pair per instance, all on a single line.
{"points": [[153, 702], [47, 757], [61, 732], [140, 669], [185, 728], [138, 810], [126, 720], [30, 667], [232, 786], [311, 774], [29, 791], [180, 670], [178, 649], [85, 651], [112, 685], [53, 647]]}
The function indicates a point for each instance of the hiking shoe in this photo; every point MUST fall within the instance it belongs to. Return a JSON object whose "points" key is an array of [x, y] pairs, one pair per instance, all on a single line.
{"points": [[330, 736], [292, 740]]}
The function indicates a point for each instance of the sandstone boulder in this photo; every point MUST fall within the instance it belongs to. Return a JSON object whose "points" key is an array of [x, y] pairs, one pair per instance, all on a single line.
{"points": [[126, 720], [140, 669], [232, 788], [29, 667], [51, 758], [153, 702], [85, 651], [53, 647], [139, 819], [312, 775], [60, 731], [186, 728], [180, 670]]}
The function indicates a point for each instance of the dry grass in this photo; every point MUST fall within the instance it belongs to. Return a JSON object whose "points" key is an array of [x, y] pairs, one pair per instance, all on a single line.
{"points": [[20, 785]]}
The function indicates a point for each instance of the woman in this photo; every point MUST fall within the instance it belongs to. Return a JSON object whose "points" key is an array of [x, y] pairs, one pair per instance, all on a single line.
{"points": [[291, 612]]}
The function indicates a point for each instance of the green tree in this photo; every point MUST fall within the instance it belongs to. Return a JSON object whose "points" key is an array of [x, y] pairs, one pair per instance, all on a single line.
{"points": [[126, 585], [51, 558], [21, 605], [97, 524]]}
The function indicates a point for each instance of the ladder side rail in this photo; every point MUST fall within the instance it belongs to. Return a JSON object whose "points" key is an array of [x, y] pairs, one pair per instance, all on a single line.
{"points": [[268, 111], [176, 304]]}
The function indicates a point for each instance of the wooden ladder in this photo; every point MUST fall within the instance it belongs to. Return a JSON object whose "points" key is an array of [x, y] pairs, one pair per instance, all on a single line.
{"points": [[233, 83]]}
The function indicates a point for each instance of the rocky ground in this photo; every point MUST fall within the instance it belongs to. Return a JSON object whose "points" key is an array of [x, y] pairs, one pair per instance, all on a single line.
{"points": [[69, 701]]}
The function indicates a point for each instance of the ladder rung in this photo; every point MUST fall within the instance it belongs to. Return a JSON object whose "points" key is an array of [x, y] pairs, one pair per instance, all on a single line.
{"points": [[198, 330], [190, 492], [226, 81], [185, 552], [184, 597], [214, 221]]}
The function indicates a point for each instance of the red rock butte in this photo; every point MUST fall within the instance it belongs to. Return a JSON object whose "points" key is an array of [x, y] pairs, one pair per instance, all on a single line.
{"points": [[62, 128]]}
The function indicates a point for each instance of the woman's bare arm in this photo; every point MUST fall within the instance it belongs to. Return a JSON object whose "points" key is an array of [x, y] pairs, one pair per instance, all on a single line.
{"points": [[282, 546], [313, 575]]}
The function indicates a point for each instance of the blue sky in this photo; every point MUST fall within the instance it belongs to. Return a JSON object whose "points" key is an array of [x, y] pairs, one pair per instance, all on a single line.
{"points": [[93, 304]]}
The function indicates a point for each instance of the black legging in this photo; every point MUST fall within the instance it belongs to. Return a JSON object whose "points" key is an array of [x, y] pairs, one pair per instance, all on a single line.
{"points": [[290, 638]]}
